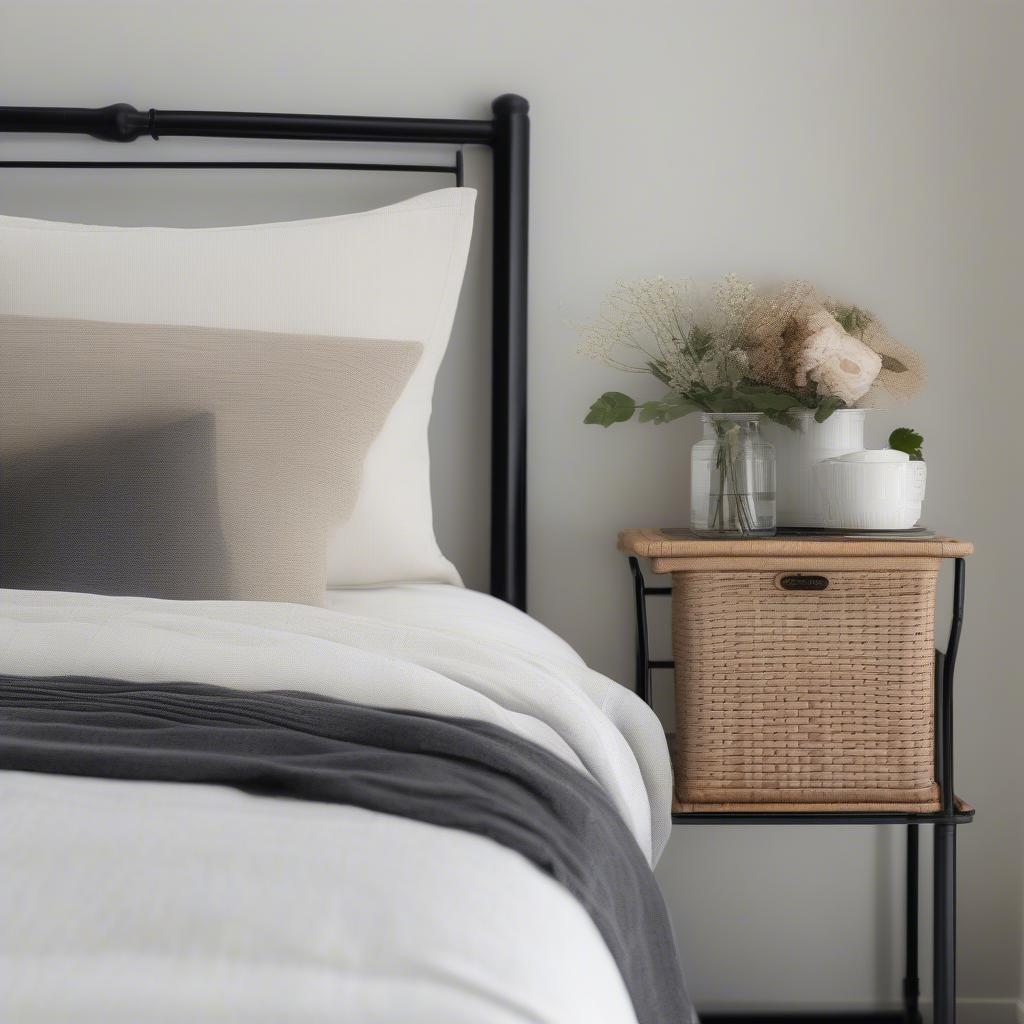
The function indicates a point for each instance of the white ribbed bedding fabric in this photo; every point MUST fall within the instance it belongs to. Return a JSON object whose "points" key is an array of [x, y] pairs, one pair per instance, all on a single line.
{"points": [[127, 901]]}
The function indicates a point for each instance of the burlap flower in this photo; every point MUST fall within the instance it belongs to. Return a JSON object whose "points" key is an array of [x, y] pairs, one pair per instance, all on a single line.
{"points": [[774, 330], [841, 366], [797, 344], [902, 374]]}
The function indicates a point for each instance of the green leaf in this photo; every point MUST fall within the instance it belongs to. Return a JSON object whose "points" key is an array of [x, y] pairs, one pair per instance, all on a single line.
{"points": [[783, 418], [671, 407], [709, 396], [652, 411], [852, 320], [906, 439], [845, 318], [676, 410], [699, 341], [734, 404], [827, 406], [892, 365], [658, 370], [611, 407], [766, 399]]}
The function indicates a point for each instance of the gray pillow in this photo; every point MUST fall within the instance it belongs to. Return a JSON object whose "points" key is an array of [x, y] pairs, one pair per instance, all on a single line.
{"points": [[183, 462]]}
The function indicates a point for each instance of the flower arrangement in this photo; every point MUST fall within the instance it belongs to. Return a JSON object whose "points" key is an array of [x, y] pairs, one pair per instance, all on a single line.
{"points": [[729, 348]]}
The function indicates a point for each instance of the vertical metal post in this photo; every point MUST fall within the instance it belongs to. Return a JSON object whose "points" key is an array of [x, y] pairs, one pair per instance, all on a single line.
{"points": [[948, 666], [945, 924], [643, 663], [911, 981], [944, 894], [940, 727], [508, 433]]}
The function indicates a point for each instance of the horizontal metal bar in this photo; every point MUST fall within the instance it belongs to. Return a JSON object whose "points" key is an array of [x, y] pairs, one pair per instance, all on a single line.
{"points": [[662, 664], [821, 818], [121, 122], [805, 1016], [657, 590], [290, 165]]}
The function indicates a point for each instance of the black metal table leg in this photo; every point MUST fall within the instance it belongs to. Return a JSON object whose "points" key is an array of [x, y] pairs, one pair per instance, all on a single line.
{"points": [[911, 982], [945, 924], [944, 946]]}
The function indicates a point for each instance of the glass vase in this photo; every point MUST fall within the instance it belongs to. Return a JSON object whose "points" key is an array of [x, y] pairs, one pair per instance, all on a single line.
{"points": [[732, 478]]}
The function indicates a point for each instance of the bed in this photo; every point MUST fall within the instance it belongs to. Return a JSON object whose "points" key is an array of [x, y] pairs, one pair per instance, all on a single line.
{"points": [[407, 801]]}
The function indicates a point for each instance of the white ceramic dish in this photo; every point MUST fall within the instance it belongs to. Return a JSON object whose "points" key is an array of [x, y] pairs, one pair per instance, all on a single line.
{"points": [[870, 490]]}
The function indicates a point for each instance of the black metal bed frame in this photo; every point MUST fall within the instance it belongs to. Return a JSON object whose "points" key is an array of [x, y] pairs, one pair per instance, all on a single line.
{"points": [[944, 821], [508, 138]]}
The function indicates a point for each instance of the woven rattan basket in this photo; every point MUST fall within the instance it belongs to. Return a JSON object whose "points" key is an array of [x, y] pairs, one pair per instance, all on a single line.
{"points": [[803, 679]]}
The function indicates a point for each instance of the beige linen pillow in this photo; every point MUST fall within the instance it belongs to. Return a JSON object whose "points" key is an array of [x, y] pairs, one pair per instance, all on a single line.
{"points": [[183, 462]]}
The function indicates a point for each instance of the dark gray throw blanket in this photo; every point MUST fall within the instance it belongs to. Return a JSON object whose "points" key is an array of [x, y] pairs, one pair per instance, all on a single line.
{"points": [[455, 773]]}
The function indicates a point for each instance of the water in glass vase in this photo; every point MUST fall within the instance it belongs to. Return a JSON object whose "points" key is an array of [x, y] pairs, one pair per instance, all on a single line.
{"points": [[732, 478]]}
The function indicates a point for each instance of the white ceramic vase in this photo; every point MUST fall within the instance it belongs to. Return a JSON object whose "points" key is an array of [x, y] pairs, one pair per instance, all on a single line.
{"points": [[797, 450]]}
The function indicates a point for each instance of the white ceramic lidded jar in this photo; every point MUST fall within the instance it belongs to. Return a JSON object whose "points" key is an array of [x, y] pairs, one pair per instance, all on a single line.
{"points": [[798, 449], [732, 478]]}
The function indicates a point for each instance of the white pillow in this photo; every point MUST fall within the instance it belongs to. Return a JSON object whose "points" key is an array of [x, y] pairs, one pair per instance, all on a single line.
{"points": [[390, 273]]}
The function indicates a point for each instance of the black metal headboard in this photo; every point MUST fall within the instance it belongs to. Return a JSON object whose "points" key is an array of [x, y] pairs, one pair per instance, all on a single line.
{"points": [[507, 136]]}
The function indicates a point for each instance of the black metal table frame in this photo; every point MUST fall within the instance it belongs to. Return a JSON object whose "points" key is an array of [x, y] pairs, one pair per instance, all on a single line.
{"points": [[944, 822]]}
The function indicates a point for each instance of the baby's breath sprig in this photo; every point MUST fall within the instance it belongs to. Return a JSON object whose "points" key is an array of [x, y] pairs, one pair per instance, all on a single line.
{"points": [[691, 338]]}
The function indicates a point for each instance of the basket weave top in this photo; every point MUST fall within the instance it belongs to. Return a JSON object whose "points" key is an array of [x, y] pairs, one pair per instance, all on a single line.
{"points": [[674, 544]]}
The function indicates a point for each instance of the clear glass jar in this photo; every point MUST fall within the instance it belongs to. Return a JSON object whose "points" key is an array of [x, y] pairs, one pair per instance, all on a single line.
{"points": [[732, 478]]}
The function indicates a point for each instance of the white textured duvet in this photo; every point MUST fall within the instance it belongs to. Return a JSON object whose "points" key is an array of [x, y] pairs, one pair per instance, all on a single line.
{"points": [[153, 902]]}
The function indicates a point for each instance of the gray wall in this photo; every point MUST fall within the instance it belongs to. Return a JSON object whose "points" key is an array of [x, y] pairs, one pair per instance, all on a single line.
{"points": [[871, 146]]}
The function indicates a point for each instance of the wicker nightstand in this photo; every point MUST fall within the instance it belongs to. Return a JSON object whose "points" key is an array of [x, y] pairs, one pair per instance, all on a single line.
{"points": [[809, 692]]}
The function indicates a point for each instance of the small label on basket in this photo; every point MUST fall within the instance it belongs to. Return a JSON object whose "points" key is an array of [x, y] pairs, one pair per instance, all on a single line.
{"points": [[799, 581]]}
